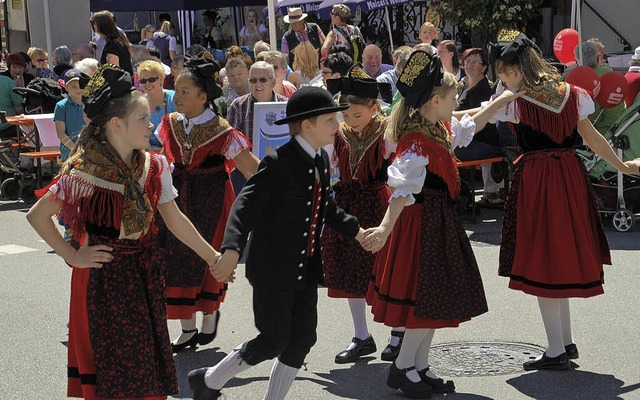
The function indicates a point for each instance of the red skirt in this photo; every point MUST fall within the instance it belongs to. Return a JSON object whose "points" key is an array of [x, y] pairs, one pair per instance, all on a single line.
{"points": [[347, 266], [553, 243], [426, 276], [118, 339], [184, 267]]}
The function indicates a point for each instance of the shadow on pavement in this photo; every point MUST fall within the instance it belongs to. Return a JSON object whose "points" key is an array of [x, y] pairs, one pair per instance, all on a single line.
{"points": [[571, 385], [366, 381], [188, 360]]}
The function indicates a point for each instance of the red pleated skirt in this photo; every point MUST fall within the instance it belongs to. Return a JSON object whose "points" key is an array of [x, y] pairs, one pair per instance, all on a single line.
{"points": [[553, 243], [426, 275]]}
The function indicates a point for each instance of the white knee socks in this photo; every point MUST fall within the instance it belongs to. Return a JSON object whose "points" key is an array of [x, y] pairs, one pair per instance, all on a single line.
{"points": [[186, 325], [565, 316], [358, 309], [280, 381], [230, 366], [551, 317], [209, 322], [422, 354], [413, 338]]}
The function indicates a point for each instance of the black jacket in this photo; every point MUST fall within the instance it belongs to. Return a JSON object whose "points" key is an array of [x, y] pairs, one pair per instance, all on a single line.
{"points": [[275, 205]]}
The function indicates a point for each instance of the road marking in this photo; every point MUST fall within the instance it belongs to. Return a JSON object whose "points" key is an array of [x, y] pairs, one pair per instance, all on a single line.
{"points": [[14, 249]]}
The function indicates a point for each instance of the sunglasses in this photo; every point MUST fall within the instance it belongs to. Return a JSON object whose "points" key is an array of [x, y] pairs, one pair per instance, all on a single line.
{"points": [[150, 80], [253, 81], [41, 60]]}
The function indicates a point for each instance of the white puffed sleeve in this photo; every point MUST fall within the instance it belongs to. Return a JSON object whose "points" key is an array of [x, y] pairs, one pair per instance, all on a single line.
{"points": [[586, 106], [462, 131], [156, 133], [406, 175], [168, 191]]}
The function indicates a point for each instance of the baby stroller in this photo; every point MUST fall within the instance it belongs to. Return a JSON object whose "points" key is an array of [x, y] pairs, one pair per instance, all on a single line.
{"points": [[618, 195], [17, 179]]}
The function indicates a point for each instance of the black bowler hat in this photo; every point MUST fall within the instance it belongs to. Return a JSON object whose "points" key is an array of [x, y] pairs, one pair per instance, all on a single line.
{"points": [[309, 102]]}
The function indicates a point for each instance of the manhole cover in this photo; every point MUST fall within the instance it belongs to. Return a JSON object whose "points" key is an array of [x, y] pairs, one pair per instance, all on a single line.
{"points": [[481, 358]]}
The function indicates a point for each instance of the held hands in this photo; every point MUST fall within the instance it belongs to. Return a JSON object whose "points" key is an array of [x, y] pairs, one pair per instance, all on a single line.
{"points": [[633, 167], [374, 239], [224, 269], [91, 256]]}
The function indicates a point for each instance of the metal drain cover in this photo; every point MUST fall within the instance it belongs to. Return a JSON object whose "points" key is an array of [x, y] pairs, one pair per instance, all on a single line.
{"points": [[481, 358]]}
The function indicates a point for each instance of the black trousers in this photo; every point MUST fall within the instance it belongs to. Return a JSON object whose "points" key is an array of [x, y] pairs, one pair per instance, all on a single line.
{"points": [[287, 321]]}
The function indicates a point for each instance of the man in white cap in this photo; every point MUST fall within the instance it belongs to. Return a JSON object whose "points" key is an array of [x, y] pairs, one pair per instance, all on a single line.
{"points": [[300, 31]]}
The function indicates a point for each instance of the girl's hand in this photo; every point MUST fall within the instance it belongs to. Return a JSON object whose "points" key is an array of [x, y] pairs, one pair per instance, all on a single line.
{"points": [[374, 239], [633, 166], [91, 256], [508, 96]]}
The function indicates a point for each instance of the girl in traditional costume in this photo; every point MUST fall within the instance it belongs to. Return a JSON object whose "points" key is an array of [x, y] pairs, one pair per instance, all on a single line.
{"points": [[553, 245], [202, 147], [426, 277], [361, 154], [109, 190]]}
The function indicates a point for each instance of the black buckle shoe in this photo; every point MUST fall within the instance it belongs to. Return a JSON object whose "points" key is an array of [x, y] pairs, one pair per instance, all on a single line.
{"points": [[572, 351], [560, 362], [192, 342], [438, 385], [363, 348], [206, 338], [390, 353], [397, 379], [200, 390]]}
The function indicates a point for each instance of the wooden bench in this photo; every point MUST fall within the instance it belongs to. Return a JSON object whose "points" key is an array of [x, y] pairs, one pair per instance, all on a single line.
{"points": [[47, 155], [472, 166]]}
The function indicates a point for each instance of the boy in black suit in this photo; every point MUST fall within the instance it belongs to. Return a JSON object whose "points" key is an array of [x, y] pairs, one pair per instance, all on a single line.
{"points": [[284, 206]]}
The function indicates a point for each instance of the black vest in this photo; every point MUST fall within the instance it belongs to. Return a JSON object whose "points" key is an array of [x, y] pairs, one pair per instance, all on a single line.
{"points": [[313, 31]]}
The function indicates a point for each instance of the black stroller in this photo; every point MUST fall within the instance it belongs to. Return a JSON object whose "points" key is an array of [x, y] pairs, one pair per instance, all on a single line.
{"points": [[17, 180]]}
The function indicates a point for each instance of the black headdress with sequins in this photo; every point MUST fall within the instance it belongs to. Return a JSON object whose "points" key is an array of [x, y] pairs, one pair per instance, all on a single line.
{"points": [[421, 74], [509, 45], [109, 82]]}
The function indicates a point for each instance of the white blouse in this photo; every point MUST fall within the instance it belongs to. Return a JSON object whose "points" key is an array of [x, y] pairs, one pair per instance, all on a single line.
{"points": [[407, 173]]}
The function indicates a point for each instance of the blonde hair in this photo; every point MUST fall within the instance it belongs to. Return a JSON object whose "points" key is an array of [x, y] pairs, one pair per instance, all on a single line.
{"points": [[166, 27], [401, 112], [152, 67], [306, 60], [149, 28], [429, 25], [534, 69], [35, 51]]}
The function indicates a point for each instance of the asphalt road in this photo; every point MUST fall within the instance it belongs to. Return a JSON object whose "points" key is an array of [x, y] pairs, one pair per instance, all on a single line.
{"points": [[34, 293]]}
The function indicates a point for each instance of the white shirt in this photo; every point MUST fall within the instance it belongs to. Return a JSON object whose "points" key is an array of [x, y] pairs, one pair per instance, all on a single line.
{"points": [[172, 41], [309, 150]]}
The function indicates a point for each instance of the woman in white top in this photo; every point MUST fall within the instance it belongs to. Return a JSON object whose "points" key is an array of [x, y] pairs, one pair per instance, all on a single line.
{"points": [[253, 31]]}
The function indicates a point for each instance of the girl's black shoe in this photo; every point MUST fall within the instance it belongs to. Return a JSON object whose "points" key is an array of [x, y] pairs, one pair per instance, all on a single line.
{"points": [[438, 385], [390, 353], [192, 342], [397, 379], [206, 338]]}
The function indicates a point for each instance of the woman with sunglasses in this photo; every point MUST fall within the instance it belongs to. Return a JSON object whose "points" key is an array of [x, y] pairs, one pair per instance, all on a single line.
{"points": [[151, 76]]}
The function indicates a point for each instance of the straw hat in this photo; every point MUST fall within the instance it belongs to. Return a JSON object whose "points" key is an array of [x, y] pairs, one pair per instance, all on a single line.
{"points": [[294, 14]]}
